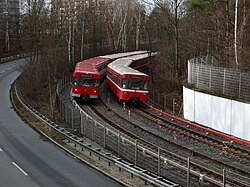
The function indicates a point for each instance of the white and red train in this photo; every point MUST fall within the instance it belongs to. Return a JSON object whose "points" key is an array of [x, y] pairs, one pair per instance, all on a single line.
{"points": [[129, 84], [89, 73]]}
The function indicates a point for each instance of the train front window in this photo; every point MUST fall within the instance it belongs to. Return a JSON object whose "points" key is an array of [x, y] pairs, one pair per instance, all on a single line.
{"points": [[125, 83], [137, 84], [89, 82]]}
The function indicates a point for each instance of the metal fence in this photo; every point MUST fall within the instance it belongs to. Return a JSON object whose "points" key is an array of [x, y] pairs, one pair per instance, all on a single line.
{"points": [[112, 139], [14, 57], [166, 102], [230, 82]]}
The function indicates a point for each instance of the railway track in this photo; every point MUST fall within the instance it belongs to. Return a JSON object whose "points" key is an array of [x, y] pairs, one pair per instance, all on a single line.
{"points": [[203, 137], [212, 174]]}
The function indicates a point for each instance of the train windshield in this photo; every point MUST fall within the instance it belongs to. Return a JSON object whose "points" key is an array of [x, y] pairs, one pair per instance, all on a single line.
{"points": [[89, 82], [135, 84]]}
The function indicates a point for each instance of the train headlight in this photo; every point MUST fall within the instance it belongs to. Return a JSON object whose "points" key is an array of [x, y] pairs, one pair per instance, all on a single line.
{"points": [[76, 90], [125, 92], [94, 91]]}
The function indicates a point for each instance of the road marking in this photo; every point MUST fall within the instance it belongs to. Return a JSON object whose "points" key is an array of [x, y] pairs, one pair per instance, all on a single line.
{"points": [[20, 169], [2, 71], [1, 150]]}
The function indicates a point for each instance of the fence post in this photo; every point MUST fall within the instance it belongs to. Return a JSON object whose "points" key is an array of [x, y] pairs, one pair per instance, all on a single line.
{"points": [[192, 73], [136, 144], [104, 136], [92, 129], [63, 82], [85, 126], [239, 85], [118, 144], [62, 107], [59, 105], [159, 161], [153, 95], [210, 79], [165, 103], [66, 116], [197, 81], [188, 172], [81, 125], [72, 120], [224, 81], [224, 178], [173, 106]]}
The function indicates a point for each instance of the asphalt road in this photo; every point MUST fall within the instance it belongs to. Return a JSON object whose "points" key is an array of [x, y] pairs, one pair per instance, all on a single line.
{"points": [[28, 161]]}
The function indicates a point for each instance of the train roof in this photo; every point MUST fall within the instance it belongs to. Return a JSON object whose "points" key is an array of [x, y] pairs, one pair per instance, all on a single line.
{"points": [[121, 66], [141, 56], [89, 65], [120, 55]]}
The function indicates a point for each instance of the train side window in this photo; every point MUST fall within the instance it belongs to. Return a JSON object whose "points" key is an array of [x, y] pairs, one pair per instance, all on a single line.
{"points": [[119, 81], [125, 83]]}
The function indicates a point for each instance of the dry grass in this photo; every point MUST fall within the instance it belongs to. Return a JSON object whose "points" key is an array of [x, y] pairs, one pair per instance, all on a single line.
{"points": [[35, 123]]}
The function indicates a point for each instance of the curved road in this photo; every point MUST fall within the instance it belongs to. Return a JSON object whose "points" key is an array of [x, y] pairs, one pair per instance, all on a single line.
{"points": [[25, 159]]}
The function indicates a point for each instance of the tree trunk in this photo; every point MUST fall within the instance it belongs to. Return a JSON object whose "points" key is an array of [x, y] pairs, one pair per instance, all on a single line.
{"points": [[235, 34]]}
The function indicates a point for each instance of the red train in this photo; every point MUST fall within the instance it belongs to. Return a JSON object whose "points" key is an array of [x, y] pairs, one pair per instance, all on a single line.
{"points": [[89, 73], [129, 84]]}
